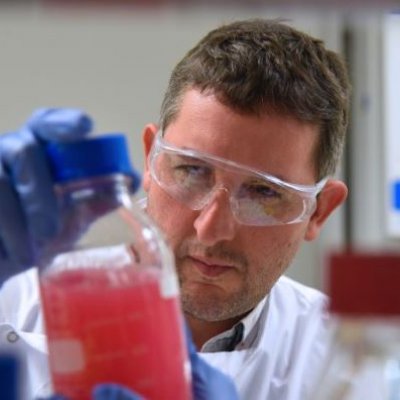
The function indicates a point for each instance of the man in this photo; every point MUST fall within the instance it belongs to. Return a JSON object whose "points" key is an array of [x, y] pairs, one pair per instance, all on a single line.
{"points": [[238, 173], [252, 99]]}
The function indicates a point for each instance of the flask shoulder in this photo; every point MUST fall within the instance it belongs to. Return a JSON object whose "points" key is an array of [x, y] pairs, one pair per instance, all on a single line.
{"points": [[104, 230], [82, 204]]}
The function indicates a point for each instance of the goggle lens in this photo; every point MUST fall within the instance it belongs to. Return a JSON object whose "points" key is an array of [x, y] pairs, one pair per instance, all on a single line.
{"points": [[191, 178]]}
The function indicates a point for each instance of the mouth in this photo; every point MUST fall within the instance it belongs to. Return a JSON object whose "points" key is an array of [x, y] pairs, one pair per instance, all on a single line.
{"points": [[210, 268]]}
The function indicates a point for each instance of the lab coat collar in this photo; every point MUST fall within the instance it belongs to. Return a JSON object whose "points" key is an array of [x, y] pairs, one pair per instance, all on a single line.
{"points": [[240, 336]]}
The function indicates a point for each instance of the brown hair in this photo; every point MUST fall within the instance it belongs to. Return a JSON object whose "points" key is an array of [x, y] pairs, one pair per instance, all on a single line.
{"points": [[256, 66]]}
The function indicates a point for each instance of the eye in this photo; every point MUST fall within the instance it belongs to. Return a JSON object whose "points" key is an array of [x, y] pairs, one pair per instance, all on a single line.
{"points": [[195, 171], [188, 170], [261, 191]]}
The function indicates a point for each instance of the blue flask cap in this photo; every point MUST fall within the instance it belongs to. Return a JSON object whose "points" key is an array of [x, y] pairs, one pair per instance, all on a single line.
{"points": [[91, 157]]}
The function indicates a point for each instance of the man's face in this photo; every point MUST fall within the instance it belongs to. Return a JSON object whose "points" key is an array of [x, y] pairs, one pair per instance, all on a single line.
{"points": [[225, 268]]}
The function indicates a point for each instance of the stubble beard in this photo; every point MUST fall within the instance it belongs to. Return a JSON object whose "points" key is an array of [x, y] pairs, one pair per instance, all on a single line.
{"points": [[210, 305], [213, 308]]}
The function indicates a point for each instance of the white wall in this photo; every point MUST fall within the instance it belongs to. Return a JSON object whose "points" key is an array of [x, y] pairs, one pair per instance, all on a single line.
{"points": [[116, 65], [391, 119], [370, 149]]}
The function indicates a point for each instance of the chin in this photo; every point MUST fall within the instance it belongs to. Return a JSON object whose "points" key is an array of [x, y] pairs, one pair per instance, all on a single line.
{"points": [[210, 306]]}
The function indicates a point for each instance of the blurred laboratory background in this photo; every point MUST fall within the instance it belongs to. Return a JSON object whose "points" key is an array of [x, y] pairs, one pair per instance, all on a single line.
{"points": [[113, 59]]}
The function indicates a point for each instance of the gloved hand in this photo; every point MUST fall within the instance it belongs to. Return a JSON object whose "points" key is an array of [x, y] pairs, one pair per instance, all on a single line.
{"points": [[106, 391], [114, 392], [28, 209], [208, 382]]}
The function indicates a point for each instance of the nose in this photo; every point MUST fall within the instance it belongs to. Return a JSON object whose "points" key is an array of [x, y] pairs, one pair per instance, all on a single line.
{"points": [[215, 221]]}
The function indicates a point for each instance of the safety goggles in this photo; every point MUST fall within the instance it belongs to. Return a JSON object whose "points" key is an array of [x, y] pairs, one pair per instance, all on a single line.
{"points": [[256, 198]]}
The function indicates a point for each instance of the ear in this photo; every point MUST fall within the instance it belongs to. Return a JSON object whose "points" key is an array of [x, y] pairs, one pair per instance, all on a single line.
{"points": [[148, 135], [332, 196]]}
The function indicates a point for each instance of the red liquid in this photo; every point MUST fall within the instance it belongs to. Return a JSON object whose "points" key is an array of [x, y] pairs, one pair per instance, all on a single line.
{"points": [[114, 326]]}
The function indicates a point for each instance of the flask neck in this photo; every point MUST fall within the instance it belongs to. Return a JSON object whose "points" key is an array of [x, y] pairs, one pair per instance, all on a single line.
{"points": [[114, 187], [81, 203]]}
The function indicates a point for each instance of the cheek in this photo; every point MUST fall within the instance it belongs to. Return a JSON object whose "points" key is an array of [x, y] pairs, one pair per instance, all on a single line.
{"points": [[271, 251], [274, 239]]}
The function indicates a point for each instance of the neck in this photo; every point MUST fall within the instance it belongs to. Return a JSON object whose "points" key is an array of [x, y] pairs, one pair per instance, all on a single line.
{"points": [[202, 330]]}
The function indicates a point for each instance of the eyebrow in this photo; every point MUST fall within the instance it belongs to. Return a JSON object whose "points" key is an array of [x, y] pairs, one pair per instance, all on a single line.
{"points": [[198, 153], [278, 179]]}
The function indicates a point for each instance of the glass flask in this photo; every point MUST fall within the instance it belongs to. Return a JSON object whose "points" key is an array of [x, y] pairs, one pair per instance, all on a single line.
{"points": [[108, 284]]}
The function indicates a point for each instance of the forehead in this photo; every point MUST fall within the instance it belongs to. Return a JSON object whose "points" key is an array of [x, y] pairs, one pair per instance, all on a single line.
{"points": [[279, 145]]}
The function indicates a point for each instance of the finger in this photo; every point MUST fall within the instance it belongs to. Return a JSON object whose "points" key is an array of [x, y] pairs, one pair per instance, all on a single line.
{"points": [[114, 392], [210, 383], [60, 124], [189, 340], [24, 161], [53, 397], [66, 124], [14, 240]]}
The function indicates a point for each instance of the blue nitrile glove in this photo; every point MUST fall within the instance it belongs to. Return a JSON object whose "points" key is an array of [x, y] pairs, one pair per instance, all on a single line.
{"points": [[114, 392], [106, 391], [28, 211], [208, 382]]}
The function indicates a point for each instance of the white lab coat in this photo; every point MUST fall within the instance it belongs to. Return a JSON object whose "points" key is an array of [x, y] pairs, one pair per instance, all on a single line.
{"points": [[22, 332], [279, 360], [283, 361]]}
